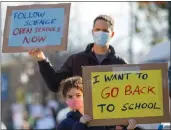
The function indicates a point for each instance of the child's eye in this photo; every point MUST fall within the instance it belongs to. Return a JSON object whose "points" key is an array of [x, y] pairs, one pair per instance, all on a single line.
{"points": [[69, 96], [78, 95]]}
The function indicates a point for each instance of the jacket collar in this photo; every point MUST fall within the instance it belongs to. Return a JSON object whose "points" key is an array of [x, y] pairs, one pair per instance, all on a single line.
{"points": [[89, 48], [75, 115]]}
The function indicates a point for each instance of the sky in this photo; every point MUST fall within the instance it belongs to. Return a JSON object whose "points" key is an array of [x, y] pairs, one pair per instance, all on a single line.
{"points": [[86, 12]]}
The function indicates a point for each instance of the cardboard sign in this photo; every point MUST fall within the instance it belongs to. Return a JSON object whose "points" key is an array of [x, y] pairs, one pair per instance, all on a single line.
{"points": [[115, 93], [36, 26]]}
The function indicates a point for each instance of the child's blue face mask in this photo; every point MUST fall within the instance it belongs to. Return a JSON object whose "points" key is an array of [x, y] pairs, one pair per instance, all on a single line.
{"points": [[101, 38]]}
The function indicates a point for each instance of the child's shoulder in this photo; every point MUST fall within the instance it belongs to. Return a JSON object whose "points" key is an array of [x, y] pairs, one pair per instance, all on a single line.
{"points": [[65, 124], [62, 125]]}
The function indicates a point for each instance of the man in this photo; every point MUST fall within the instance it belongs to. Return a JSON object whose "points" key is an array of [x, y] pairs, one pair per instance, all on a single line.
{"points": [[98, 53]]}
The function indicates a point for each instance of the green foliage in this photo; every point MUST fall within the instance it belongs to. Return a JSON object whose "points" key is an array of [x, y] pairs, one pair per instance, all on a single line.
{"points": [[156, 41]]}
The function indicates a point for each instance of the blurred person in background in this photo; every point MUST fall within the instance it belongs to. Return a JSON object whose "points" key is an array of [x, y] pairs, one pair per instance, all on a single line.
{"points": [[17, 109], [98, 53], [51, 102], [36, 108], [26, 124], [46, 121], [53, 105]]}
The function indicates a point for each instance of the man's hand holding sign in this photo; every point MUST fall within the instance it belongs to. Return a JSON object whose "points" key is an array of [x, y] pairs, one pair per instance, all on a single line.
{"points": [[37, 54]]}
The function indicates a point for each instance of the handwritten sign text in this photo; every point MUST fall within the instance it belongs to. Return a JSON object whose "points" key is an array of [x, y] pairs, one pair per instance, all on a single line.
{"points": [[126, 94], [36, 27]]}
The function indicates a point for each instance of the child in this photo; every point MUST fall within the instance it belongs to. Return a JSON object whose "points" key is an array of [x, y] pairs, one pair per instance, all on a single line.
{"points": [[72, 93]]}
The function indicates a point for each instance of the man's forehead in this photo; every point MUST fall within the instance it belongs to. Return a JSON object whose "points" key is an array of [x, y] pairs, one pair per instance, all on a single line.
{"points": [[101, 23]]}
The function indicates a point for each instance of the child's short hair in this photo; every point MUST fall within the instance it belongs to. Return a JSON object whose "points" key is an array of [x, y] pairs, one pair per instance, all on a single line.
{"points": [[67, 84]]}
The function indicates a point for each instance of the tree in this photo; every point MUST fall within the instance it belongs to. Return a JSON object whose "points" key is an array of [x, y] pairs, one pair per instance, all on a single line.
{"points": [[152, 22]]}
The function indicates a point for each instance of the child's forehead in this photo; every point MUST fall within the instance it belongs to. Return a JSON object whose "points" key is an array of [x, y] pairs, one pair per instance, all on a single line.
{"points": [[73, 91]]}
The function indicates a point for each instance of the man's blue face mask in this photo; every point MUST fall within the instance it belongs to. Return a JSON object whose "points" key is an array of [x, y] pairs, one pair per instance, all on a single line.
{"points": [[101, 38]]}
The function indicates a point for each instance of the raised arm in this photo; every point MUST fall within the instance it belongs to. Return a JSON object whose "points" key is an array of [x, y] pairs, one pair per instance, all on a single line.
{"points": [[52, 78]]}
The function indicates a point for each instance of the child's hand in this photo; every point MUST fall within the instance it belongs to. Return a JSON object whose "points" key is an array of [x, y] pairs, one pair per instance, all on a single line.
{"points": [[118, 127], [85, 119], [132, 124]]}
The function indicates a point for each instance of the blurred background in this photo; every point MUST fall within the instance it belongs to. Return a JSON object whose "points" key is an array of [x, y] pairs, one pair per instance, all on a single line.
{"points": [[142, 35]]}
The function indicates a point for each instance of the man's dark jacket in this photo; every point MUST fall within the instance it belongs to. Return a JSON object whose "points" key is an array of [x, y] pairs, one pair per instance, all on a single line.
{"points": [[73, 66]]}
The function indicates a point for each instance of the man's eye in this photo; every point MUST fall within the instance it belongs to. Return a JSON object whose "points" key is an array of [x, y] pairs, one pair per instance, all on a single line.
{"points": [[97, 29], [105, 31]]}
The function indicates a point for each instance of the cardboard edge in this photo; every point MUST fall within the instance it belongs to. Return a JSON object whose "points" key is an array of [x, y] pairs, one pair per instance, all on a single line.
{"points": [[64, 40]]}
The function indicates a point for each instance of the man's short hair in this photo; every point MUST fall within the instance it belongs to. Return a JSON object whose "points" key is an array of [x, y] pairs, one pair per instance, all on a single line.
{"points": [[106, 18]]}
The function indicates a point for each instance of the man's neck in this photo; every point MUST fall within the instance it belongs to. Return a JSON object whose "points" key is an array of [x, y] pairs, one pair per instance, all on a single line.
{"points": [[100, 50]]}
